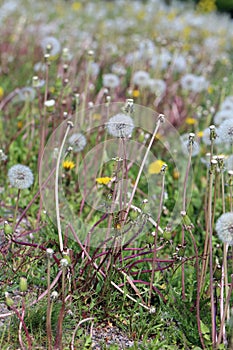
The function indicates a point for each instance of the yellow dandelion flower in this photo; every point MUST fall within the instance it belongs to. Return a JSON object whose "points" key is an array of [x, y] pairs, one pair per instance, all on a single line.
{"points": [[103, 180], [52, 89], [155, 167], [136, 93], [1, 92], [200, 133], [97, 116], [19, 125], [68, 164], [76, 6], [141, 15], [210, 89], [190, 121], [175, 174], [206, 5]]}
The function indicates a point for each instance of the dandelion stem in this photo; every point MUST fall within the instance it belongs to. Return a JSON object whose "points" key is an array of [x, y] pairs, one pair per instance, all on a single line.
{"points": [[156, 234], [160, 120], [69, 126]]}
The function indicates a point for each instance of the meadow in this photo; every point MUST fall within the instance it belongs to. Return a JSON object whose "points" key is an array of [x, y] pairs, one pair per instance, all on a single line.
{"points": [[116, 175]]}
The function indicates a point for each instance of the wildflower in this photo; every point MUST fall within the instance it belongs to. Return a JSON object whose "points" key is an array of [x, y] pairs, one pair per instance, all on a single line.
{"points": [[20, 176], [206, 5], [135, 93], [141, 78], [1, 92], [227, 104], [226, 131], [51, 45], [78, 142], [111, 81], [103, 180], [68, 165], [156, 167], [76, 6], [224, 228], [187, 140], [120, 125], [190, 121]]}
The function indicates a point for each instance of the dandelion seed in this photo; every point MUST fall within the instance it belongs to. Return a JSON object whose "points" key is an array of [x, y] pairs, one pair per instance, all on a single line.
{"points": [[77, 142], [120, 125], [224, 228], [20, 176]]}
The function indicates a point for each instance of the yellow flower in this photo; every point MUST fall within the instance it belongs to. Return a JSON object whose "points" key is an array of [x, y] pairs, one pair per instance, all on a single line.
{"points": [[97, 116], [200, 133], [210, 89], [76, 6], [175, 174], [155, 167], [19, 124], [103, 180], [68, 164], [1, 92], [136, 93], [206, 5], [190, 121]]}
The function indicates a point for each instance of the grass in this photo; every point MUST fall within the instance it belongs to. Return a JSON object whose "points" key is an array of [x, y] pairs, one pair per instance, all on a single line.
{"points": [[120, 228]]}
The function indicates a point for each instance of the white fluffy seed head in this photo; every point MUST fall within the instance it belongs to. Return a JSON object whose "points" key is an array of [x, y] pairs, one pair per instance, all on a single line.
{"points": [[224, 228], [120, 125], [77, 142], [20, 176], [226, 131]]}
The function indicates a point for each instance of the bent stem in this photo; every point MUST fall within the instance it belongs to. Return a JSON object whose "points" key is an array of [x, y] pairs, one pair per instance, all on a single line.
{"points": [[160, 120], [69, 126]]}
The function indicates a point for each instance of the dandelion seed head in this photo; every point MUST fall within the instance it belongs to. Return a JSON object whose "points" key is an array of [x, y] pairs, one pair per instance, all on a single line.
{"points": [[226, 131], [20, 176], [141, 78], [186, 144], [111, 81], [52, 44], [224, 228], [120, 125], [77, 142]]}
